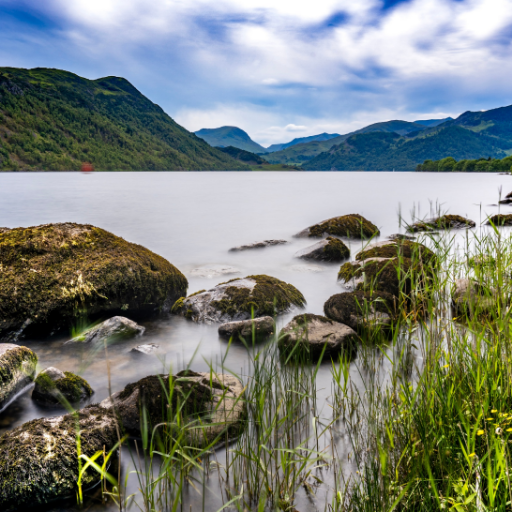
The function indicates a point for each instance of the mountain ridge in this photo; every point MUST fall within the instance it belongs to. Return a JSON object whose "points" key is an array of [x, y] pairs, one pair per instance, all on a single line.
{"points": [[226, 136]]}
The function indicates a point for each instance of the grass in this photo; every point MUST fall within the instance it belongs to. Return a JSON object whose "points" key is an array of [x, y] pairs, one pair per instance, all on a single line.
{"points": [[420, 421]]}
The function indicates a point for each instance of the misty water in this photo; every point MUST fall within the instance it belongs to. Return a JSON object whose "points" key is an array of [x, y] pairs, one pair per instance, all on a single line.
{"points": [[193, 219]]}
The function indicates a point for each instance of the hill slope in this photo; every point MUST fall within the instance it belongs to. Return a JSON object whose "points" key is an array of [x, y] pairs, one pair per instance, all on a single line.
{"points": [[388, 151], [301, 153], [230, 136], [55, 120], [302, 140]]}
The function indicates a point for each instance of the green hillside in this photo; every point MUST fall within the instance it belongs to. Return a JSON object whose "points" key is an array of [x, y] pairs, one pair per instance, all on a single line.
{"points": [[302, 140], [449, 164], [244, 156], [388, 151], [301, 153], [230, 136], [54, 120]]}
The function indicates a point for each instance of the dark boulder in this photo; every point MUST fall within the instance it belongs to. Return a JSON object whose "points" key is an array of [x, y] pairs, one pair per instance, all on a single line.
{"points": [[349, 226], [500, 220], [329, 249], [442, 222], [261, 328], [53, 387]]}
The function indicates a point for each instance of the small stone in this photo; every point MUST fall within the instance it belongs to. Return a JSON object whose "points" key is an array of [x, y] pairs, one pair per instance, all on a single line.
{"points": [[145, 349], [258, 245], [442, 222], [113, 330], [53, 386], [262, 327], [329, 249], [400, 236]]}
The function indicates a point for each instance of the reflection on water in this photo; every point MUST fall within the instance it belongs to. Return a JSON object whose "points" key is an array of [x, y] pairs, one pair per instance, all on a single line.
{"points": [[192, 219]]}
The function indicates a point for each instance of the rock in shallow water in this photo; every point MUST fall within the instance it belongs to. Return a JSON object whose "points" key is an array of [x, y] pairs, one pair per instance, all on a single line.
{"points": [[258, 245], [350, 226], [52, 386], [442, 222], [148, 348], [262, 327], [500, 219], [113, 330], [213, 271], [307, 335], [238, 299], [471, 298], [17, 370], [63, 272], [330, 249]]}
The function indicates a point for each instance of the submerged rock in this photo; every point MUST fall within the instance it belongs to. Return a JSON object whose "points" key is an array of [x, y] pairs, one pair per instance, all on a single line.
{"points": [[212, 404], [308, 334], [259, 245], [64, 272], [17, 370], [362, 310], [213, 271], [110, 331], [500, 219], [262, 327], [350, 226], [239, 298], [400, 236], [329, 249], [442, 222], [52, 386], [146, 349], [39, 462]]}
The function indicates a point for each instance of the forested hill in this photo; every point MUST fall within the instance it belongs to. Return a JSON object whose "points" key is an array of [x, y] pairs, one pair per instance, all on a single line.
{"points": [[56, 120]]}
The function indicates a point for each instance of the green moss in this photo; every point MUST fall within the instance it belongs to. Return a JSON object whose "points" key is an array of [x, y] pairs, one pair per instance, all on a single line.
{"points": [[500, 220], [12, 362], [44, 383], [442, 222], [335, 250], [350, 226], [402, 248], [72, 387], [307, 318], [347, 271], [64, 272], [197, 293], [268, 296], [178, 305]]}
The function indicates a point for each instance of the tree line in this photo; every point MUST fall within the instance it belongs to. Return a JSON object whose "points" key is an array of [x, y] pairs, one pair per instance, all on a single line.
{"points": [[449, 164]]}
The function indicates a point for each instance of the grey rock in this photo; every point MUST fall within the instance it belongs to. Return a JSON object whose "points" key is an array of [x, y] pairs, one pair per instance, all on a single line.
{"points": [[329, 249], [310, 334], [113, 330], [259, 245], [17, 370], [53, 386], [148, 348], [39, 458], [216, 400], [263, 326]]}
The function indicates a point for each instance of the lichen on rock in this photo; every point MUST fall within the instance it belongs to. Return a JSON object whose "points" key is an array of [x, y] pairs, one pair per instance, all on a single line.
{"points": [[239, 299], [55, 274], [53, 386], [349, 226]]}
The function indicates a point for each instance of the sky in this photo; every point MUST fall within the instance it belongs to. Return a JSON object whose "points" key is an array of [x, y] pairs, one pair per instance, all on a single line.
{"points": [[278, 69]]}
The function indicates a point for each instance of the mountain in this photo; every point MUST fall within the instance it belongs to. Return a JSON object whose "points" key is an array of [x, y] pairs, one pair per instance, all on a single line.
{"points": [[430, 123], [244, 156], [230, 136], [388, 151], [304, 152], [302, 140], [55, 120]]}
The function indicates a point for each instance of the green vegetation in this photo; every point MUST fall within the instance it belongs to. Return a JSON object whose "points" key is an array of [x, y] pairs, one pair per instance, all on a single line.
{"points": [[230, 136], [53, 120], [449, 164], [244, 156]]}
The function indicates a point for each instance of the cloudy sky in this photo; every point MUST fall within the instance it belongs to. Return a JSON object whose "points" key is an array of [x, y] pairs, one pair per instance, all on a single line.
{"points": [[278, 69]]}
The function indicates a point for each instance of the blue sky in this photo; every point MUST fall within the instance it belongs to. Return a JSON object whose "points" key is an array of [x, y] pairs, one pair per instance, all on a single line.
{"points": [[278, 69]]}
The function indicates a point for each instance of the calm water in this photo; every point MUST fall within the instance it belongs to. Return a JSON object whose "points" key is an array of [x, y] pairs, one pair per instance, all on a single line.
{"points": [[192, 219]]}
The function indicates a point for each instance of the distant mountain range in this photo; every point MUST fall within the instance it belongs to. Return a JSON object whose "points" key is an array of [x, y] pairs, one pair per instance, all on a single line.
{"points": [[321, 137], [230, 136], [55, 120]]}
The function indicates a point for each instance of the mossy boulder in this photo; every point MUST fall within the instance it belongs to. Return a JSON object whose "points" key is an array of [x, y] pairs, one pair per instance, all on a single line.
{"points": [[211, 405], [500, 220], [52, 387], [442, 222], [362, 310], [55, 275], [238, 299], [17, 370], [329, 249], [113, 330], [308, 336], [349, 226], [39, 460], [399, 249], [260, 328]]}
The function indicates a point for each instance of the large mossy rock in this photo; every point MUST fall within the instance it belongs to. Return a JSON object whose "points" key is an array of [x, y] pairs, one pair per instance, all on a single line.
{"points": [[349, 226], [113, 330], [17, 370], [54, 274], [38, 460], [311, 335], [442, 222], [330, 249], [362, 310], [238, 299], [399, 249], [211, 406], [53, 386]]}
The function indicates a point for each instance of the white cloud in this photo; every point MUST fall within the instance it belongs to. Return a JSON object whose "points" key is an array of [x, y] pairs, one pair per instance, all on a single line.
{"points": [[295, 128]]}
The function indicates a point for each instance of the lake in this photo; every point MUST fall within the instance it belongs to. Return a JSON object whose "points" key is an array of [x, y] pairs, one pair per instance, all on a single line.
{"points": [[193, 219]]}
